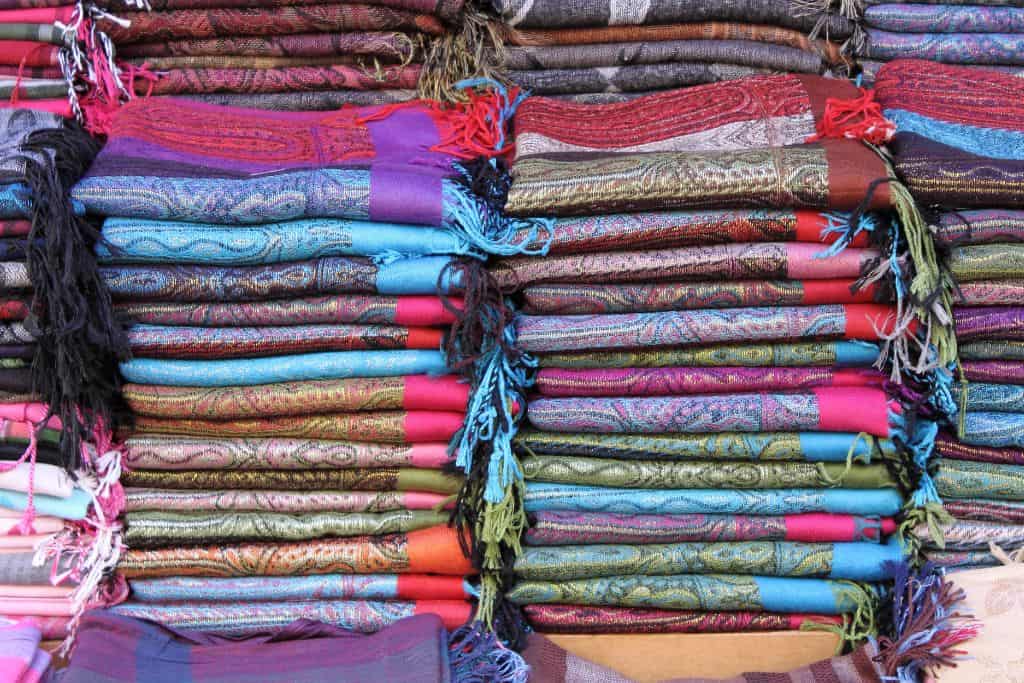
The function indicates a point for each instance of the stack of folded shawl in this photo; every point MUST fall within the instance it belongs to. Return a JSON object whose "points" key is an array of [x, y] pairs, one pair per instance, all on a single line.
{"points": [[281, 54], [583, 49], [978, 33], [292, 402], [960, 146], [707, 445]]}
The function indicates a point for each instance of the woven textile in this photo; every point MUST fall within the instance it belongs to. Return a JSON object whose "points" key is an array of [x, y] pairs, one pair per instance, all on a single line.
{"points": [[375, 479], [990, 293], [986, 262], [165, 529], [907, 18], [967, 479], [293, 502], [1000, 350], [283, 79], [446, 9], [320, 100], [589, 619], [975, 535], [639, 78], [948, 446], [950, 48], [541, 334], [992, 398], [996, 323], [434, 551], [999, 430], [363, 43], [365, 310], [143, 452], [696, 592], [1004, 512], [853, 561], [416, 392], [323, 587], [554, 528], [842, 354]]}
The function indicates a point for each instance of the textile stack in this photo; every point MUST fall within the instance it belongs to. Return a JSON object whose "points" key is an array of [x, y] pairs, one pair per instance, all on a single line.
{"points": [[960, 146], [280, 54], [292, 402], [707, 446], [985, 34], [610, 49]]}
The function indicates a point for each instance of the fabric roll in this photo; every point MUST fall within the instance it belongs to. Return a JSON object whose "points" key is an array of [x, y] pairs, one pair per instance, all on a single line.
{"points": [[640, 77], [907, 18], [284, 79], [379, 479], [986, 262], [363, 43], [998, 430], [961, 479], [996, 349], [445, 9], [975, 535], [980, 226], [320, 100], [751, 355], [993, 398], [293, 502], [948, 446], [949, 48], [990, 322], [1004, 512], [626, 620]]}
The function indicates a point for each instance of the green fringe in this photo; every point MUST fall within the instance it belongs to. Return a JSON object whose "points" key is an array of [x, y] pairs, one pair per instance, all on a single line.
{"points": [[474, 50], [935, 516]]}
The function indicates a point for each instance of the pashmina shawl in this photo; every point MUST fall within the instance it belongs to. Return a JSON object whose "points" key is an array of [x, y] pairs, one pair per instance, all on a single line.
{"points": [[283, 79], [559, 528], [763, 111], [375, 479], [991, 398], [144, 452], [948, 446], [448, 10], [958, 560], [955, 144], [541, 334], [627, 620], [639, 77], [751, 355], [700, 592], [260, 617], [566, 497], [999, 350], [198, 343], [999, 430], [989, 293], [580, 299], [986, 262], [852, 561], [22, 659], [117, 649], [965, 479], [128, 240], [994, 323], [293, 502], [568, 13], [739, 446], [321, 100], [413, 392], [664, 474], [328, 275], [74, 508], [831, 174], [431, 551], [324, 587], [742, 261], [949, 48], [557, 383], [168, 529], [907, 18], [974, 535], [1004, 512], [146, 27], [410, 310], [364, 43]]}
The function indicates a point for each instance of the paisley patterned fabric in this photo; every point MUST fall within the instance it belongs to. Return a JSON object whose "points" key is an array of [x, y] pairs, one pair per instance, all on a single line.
{"points": [[377, 479], [590, 619], [291, 502], [964, 479]]}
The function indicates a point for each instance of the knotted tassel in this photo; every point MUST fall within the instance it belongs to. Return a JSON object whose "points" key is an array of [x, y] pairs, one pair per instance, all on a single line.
{"points": [[927, 626], [477, 656], [925, 505], [473, 48], [858, 119]]}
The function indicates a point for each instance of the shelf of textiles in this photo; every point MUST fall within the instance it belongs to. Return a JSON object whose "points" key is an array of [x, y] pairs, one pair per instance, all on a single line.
{"points": [[289, 284], [710, 441], [964, 162]]}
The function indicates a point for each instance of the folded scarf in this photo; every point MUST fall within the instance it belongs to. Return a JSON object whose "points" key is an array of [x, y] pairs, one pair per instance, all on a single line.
{"points": [[22, 659], [738, 52], [762, 111], [15, 227], [162, 529], [19, 569], [567, 13], [17, 333], [376, 479], [965, 479], [708, 30], [14, 276], [638, 78], [413, 392], [168, 500], [322, 100], [697, 592], [282, 79], [325, 587], [974, 535], [137, 27], [752, 355], [252, 618], [950, 48], [673, 229], [449, 10], [539, 334], [744, 261], [210, 343], [990, 323], [831, 174], [542, 497], [585, 299], [1002, 512], [852, 561], [127, 240], [367, 310], [992, 398], [664, 474], [32, 31], [72, 508], [329, 275], [432, 551], [905, 18], [557, 528], [558, 383], [955, 145], [167, 159], [47, 480], [626, 620], [986, 261], [989, 293], [955, 560], [948, 446], [185, 453], [302, 652], [364, 43], [160, 64], [41, 89], [999, 430], [310, 366], [13, 249], [765, 446], [1000, 350]]}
